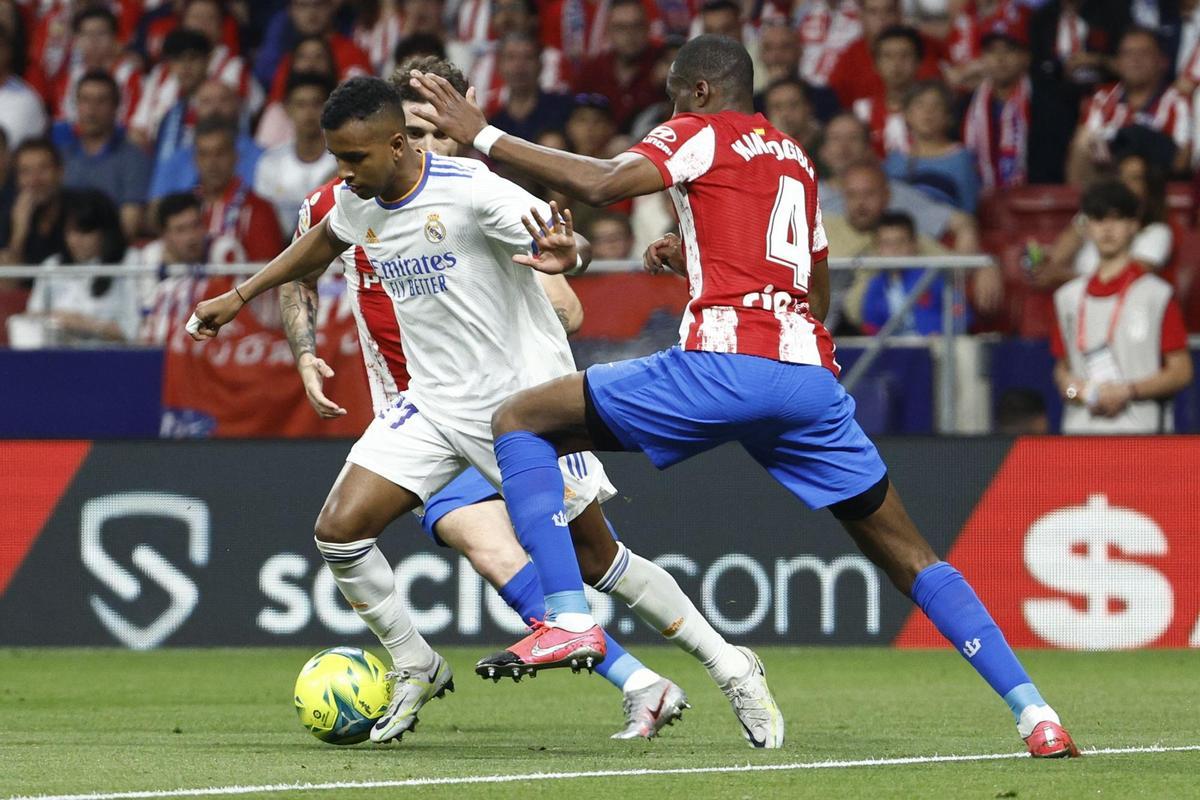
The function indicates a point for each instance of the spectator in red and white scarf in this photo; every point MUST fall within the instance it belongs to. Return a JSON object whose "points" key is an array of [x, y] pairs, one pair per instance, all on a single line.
{"points": [[1140, 99], [996, 127]]}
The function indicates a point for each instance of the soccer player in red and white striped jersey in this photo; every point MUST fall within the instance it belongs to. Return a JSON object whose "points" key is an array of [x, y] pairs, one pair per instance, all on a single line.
{"points": [[755, 364]]}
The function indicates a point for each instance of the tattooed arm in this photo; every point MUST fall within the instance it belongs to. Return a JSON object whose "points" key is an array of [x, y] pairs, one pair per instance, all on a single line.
{"points": [[298, 302], [565, 302]]}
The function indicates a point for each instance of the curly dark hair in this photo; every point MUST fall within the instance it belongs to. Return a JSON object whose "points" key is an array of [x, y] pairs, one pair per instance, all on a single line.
{"points": [[437, 66], [360, 98]]}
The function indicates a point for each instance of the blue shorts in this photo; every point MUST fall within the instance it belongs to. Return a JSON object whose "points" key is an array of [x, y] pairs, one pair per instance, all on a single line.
{"points": [[795, 420], [469, 488]]}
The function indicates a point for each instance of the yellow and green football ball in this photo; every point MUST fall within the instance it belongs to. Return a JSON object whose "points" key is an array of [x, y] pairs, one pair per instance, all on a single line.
{"points": [[340, 693]]}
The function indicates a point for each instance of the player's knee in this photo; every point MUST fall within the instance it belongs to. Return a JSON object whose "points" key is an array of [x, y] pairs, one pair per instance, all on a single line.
{"points": [[508, 417], [497, 565], [336, 527]]}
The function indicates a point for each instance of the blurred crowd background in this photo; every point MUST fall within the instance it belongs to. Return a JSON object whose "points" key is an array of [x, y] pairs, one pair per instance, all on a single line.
{"points": [[187, 132]]}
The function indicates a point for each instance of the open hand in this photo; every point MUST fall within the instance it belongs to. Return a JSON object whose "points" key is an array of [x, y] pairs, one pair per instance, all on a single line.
{"points": [[456, 116], [667, 253], [313, 372], [555, 249]]}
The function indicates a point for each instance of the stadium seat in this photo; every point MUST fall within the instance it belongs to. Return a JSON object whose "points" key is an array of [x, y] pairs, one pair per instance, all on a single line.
{"points": [[12, 301]]}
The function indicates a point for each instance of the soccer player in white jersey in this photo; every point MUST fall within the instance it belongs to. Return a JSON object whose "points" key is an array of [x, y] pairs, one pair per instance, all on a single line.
{"points": [[468, 515], [448, 241]]}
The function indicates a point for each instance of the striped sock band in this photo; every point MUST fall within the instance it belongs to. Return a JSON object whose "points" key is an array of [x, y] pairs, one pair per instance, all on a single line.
{"points": [[615, 571], [345, 554]]}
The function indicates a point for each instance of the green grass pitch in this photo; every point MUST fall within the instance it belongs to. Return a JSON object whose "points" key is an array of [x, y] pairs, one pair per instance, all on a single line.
{"points": [[108, 721]]}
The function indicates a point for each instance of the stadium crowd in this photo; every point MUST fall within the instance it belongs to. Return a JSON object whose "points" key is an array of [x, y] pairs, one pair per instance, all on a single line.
{"points": [[187, 131]]}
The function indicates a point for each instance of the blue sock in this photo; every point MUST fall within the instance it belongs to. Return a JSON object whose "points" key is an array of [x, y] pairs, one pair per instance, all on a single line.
{"points": [[533, 491], [618, 665], [523, 593], [953, 607]]}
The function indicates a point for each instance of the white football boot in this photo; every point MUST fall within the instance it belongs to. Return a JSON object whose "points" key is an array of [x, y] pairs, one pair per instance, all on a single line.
{"points": [[755, 707], [650, 709], [411, 690]]}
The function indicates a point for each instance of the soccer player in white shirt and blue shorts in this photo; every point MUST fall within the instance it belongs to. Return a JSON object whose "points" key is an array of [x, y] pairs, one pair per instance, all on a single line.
{"points": [[450, 243]]}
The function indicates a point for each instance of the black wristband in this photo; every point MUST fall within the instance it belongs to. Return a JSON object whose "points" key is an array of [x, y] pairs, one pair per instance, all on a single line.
{"points": [[239, 294]]}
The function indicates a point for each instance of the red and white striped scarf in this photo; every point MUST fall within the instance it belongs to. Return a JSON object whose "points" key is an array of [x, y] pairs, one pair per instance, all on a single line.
{"points": [[1071, 36], [889, 131], [1003, 159]]}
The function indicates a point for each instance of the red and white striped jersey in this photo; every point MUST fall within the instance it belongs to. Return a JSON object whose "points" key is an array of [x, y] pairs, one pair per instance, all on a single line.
{"points": [[378, 329], [475, 22], [1108, 111], [824, 33], [746, 199], [126, 71], [160, 90]]}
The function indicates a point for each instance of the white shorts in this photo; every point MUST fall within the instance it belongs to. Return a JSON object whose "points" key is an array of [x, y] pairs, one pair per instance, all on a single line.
{"points": [[405, 447]]}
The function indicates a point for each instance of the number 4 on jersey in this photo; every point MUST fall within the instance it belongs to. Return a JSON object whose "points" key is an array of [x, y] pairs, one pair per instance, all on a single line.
{"points": [[788, 232]]}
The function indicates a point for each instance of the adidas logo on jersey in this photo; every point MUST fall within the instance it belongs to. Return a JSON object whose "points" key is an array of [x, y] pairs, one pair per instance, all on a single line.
{"points": [[371, 237]]}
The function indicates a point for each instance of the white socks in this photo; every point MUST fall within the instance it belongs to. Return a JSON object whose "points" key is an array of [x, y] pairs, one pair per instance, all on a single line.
{"points": [[369, 586], [1032, 716], [640, 679], [573, 622], [652, 594]]}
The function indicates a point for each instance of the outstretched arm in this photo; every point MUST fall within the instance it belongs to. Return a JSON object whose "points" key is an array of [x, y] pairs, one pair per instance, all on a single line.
{"points": [[311, 252], [596, 181]]}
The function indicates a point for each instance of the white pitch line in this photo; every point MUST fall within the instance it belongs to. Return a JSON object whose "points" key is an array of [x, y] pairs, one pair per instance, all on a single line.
{"points": [[214, 791]]}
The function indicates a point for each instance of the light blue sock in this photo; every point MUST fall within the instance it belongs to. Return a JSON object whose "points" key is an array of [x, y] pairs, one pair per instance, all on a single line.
{"points": [[956, 611], [523, 593], [533, 491]]}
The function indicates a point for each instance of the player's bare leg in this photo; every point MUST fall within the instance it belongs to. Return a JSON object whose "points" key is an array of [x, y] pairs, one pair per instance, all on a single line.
{"points": [[482, 533], [889, 538], [359, 507], [557, 411]]}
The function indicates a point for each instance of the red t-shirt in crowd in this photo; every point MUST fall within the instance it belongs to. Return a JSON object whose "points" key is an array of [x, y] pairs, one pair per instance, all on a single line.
{"points": [[854, 74], [241, 226]]}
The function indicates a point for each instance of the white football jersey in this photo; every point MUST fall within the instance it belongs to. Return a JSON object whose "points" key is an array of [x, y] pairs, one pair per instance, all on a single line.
{"points": [[475, 326]]}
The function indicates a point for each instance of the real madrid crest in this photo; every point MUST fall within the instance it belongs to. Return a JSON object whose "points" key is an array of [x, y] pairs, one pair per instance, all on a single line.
{"points": [[435, 231], [305, 221]]}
